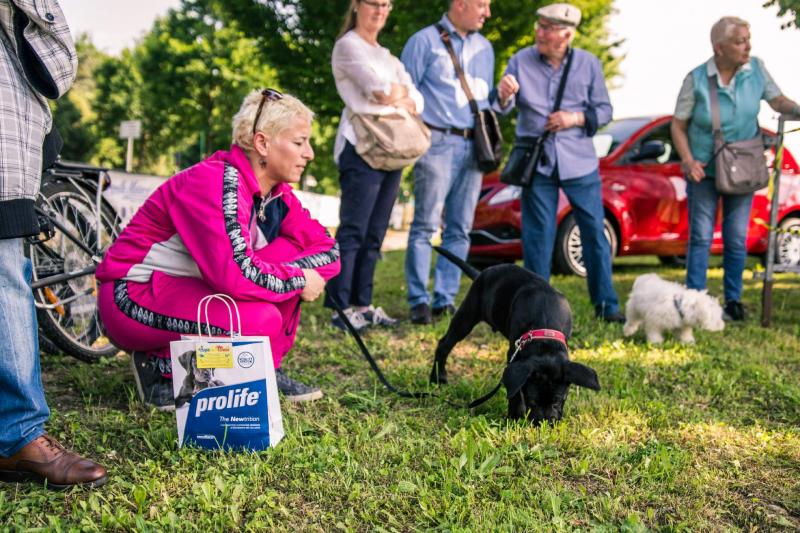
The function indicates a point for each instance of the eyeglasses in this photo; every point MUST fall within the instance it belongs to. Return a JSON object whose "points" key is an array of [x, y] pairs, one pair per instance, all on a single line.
{"points": [[546, 27], [378, 5], [267, 95]]}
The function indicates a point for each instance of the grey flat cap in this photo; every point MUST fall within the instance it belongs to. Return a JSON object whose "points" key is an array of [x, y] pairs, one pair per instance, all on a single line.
{"points": [[566, 14]]}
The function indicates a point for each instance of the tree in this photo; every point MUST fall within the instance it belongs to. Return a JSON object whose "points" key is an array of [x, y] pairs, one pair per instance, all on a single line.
{"points": [[792, 7]]}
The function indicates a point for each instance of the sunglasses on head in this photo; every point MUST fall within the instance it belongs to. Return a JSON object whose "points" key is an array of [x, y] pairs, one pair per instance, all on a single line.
{"points": [[267, 95]]}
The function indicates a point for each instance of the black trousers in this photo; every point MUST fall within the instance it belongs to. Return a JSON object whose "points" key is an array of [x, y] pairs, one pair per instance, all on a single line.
{"points": [[367, 198]]}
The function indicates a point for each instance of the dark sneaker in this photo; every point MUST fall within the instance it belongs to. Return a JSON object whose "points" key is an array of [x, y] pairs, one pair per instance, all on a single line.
{"points": [[293, 390], [153, 388], [421, 314], [357, 320], [376, 316], [733, 312], [615, 317], [448, 309]]}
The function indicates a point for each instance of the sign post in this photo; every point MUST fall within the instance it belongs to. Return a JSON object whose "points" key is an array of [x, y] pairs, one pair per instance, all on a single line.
{"points": [[130, 129]]}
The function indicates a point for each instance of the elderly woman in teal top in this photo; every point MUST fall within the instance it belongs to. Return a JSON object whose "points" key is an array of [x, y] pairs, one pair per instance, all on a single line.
{"points": [[742, 83]]}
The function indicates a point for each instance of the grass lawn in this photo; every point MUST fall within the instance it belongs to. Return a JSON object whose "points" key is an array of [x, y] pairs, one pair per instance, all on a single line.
{"points": [[681, 437]]}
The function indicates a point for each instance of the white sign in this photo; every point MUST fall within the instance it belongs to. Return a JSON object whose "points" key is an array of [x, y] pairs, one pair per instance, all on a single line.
{"points": [[130, 129]]}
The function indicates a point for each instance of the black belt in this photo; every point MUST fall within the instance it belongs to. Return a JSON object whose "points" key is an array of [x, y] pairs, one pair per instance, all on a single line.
{"points": [[465, 133]]}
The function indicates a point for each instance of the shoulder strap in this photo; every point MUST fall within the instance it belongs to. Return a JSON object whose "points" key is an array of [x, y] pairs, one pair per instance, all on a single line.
{"points": [[562, 84], [714, 102], [445, 36]]}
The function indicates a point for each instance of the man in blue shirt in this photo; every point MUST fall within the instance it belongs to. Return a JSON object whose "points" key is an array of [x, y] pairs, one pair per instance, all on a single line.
{"points": [[446, 179], [569, 158]]}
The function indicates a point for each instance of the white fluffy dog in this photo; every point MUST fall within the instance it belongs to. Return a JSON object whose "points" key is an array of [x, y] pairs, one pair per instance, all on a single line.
{"points": [[661, 305]]}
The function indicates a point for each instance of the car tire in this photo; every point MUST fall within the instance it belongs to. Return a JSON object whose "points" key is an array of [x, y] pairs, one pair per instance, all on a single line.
{"points": [[568, 254], [787, 243], [673, 260]]}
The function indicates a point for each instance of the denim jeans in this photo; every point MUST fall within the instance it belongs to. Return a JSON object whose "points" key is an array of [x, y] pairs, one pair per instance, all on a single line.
{"points": [[23, 409], [539, 206], [446, 180], [703, 201], [368, 196]]}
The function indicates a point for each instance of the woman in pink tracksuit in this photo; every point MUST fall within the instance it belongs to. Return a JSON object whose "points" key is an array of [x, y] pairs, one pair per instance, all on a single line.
{"points": [[230, 224]]}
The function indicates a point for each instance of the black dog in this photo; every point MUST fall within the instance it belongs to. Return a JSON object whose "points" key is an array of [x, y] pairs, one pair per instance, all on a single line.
{"points": [[537, 321]]}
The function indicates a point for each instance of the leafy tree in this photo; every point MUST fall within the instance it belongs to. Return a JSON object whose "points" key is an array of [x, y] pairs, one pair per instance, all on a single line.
{"points": [[792, 7]]}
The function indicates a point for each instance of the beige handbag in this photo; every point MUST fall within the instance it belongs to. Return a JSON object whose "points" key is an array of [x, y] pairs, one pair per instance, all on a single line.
{"points": [[391, 141]]}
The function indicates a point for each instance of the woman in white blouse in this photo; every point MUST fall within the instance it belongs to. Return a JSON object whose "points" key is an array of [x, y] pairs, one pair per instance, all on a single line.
{"points": [[369, 80]]}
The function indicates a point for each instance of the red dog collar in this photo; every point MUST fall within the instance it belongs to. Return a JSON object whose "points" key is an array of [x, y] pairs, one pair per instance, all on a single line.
{"points": [[537, 335]]}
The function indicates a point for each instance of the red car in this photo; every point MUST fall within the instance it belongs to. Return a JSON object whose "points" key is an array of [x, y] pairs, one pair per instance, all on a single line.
{"points": [[644, 195]]}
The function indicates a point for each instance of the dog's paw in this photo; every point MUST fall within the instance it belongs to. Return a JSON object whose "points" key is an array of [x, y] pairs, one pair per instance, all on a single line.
{"points": [[438, 379]]}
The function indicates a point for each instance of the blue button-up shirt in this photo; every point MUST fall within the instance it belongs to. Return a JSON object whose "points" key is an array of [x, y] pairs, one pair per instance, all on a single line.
{"points": [[431, 68], [571, 149]]}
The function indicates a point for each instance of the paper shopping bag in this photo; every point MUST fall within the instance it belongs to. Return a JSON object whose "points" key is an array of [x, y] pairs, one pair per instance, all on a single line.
{"points": [[225, 390]]}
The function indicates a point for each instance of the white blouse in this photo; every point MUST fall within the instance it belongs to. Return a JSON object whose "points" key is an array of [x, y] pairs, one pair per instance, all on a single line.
{"points": [[359, 69]]}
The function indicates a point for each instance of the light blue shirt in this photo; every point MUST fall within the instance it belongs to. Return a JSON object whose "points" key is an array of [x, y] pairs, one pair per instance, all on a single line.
{"points": [[571, 149], [427, 61]]}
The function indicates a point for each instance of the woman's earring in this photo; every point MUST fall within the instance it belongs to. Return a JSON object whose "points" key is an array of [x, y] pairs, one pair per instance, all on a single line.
{"points": [[262, 162]]}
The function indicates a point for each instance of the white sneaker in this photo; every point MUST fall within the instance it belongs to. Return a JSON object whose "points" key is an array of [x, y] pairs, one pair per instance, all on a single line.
{"points": [[378, 317], [356, 319]]}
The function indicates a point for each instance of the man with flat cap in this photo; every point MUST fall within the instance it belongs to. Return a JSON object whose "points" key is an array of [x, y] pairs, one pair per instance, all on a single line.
{"points": [[569, 162]]}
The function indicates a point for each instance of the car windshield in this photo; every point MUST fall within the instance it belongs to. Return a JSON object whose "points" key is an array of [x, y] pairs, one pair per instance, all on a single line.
{"points": [[615, 133]]}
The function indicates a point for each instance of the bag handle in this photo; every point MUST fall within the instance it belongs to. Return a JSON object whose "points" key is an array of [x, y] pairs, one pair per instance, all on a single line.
{"points": [[445, 36], [224, 298]]}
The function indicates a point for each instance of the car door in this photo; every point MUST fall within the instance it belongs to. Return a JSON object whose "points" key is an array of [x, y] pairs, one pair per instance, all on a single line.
{"points": [[654, 191]]}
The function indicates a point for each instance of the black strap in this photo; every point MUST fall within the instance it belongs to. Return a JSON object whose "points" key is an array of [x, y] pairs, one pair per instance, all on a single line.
{"points": [[561, 86], [405, 394], [445, 35]]}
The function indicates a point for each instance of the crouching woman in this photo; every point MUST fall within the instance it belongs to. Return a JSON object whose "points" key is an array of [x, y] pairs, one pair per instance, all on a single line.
{"points": [[230, 224]]}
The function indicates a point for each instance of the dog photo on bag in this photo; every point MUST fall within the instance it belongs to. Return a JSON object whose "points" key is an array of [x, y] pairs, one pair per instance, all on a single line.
{"points": [[658, 305], [537, 321], [196, 378]]}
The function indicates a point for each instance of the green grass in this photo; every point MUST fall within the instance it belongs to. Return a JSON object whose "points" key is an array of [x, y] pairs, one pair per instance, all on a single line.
{"points": [[681, 437]]}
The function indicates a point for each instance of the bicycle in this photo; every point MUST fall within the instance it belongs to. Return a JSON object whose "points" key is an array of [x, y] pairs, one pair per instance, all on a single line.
{"points": [[77, 226]]}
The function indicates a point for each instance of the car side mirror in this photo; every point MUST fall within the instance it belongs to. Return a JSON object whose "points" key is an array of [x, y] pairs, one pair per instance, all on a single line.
{"points": [[649, 150]]}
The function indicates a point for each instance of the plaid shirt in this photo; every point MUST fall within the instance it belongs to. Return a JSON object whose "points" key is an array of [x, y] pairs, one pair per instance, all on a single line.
{"points": [[24, 113]]}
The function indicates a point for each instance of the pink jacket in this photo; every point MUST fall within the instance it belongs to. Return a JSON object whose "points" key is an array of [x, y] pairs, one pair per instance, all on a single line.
{"points": [[202, 223]]}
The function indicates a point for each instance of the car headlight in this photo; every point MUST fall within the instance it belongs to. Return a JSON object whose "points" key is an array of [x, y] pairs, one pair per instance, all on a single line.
{"points": [[507, 194]]}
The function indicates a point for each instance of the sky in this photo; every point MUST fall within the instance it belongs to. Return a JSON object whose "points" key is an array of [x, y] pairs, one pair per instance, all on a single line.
{"points": [[663, 40]]}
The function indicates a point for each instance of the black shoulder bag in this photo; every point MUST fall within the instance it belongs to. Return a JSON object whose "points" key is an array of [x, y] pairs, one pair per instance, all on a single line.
{"points": [[486, 134], [528, 152]]}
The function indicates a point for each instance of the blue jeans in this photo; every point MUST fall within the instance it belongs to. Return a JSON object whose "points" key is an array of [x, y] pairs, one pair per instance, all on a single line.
{"points": [[23, 409], [446, 180], [367, 199], [539, 206], [703, 200]]}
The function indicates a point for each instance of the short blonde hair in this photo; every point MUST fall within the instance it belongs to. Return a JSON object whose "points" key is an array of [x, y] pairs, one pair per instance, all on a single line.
{"points": [[276, 116], [722, 29]]}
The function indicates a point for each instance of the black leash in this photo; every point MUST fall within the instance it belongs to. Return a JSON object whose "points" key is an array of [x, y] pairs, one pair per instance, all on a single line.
{"points": [[405, 394]]}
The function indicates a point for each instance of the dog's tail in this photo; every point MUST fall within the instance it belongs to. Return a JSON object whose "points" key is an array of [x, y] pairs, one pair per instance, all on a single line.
{"points": [[465, 267]]}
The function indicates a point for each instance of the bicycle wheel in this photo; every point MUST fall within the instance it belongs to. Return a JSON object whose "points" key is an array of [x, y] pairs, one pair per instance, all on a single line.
{"points": [[67, 310]]}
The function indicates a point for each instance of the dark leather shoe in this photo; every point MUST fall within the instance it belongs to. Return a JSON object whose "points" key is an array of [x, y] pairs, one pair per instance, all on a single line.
{"points": [[44, 460], [448, 309], [421, 314], [616, 317]]}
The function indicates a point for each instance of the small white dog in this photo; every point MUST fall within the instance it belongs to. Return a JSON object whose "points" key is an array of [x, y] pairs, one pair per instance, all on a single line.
{"points": [[661, 305]]}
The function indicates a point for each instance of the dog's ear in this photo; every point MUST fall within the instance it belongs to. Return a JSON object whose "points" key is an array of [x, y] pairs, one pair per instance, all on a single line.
{"points": [[581, 375], [185, 358], [515, 376]]}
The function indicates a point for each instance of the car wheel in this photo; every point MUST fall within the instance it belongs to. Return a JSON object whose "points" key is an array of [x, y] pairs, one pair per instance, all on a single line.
{"points": [[787, 249], [568, 255], [673, 260]]}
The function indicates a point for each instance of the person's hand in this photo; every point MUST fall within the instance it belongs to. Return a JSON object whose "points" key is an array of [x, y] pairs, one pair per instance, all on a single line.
{"points": [[507, 88], [314, 285], [693, 170], [561, 120], [407, 104], [396, 92]]}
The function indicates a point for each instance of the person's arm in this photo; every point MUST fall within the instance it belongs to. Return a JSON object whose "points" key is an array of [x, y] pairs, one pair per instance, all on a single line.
{"points": [[599, 111], [773, 94], [218, 237], [684, 107], [784, 105], [40, 28], [414, 101]]}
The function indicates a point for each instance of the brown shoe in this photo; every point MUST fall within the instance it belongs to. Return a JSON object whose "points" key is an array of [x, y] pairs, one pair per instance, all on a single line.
{"points": [[45, 460]]}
